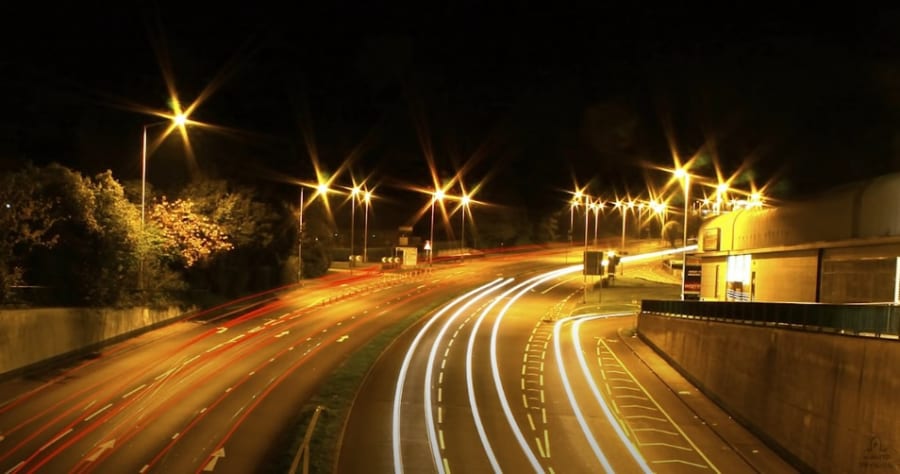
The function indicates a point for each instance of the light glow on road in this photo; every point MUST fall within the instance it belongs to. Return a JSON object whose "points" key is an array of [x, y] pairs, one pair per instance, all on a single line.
{"points": [[429, 374], [613, 421], [522, 288], [404, 369], [657, 254]]}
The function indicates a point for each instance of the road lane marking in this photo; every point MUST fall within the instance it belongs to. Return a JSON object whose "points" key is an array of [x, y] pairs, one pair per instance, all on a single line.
{"points": [[404, 370], [133, 391], [98, 412], [57, 438]]}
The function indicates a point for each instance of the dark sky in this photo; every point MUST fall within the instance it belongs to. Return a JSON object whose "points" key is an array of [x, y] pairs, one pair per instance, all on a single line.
{"points": [[527, 99]]}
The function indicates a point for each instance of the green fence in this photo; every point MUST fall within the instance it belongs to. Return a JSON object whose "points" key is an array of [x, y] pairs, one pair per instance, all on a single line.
{"points": [[874, 320]]}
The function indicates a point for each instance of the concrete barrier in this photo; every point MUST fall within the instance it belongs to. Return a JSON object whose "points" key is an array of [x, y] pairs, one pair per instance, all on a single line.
{"points": [[37, 336], [827, 403]]}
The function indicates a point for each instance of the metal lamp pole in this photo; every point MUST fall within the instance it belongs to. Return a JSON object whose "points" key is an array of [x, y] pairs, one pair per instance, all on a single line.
{"points": [[462, 232], [687, 183], [438, 195], [367, 197], [353, 194], [300, 241]]}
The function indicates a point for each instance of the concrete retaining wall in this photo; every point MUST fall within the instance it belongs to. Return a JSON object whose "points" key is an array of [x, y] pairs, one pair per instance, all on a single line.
{"points": [[829, 403], [32, 336]]}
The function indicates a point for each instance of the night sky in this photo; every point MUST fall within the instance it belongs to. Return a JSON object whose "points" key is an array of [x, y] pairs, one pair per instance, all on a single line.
{"points": [[527, 100]]}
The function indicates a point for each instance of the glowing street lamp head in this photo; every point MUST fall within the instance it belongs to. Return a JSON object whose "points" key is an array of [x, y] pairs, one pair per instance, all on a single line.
{"points": [[322, 188], [354, 191], [367, 196], [439, 195], [180, 120], [681, 173], [722, 188], [465, 199]]}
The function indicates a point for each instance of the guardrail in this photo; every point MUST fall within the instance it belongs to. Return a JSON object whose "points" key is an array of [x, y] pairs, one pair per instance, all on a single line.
{"points": [[870, 320]]}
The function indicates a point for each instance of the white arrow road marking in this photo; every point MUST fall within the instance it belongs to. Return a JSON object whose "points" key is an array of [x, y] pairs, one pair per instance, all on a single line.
{"points": [[103, 447], [283, 333], [221, 329], [215, 458], [343, 338]]}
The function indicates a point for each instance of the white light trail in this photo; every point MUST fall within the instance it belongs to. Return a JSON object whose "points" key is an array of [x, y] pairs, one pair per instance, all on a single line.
{"points": [[401, 379], [635, 454], [429, 373], [522, 288], [659, 253]]}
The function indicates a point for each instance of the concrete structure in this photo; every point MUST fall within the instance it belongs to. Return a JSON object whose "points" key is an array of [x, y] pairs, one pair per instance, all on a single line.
{"points": [[827, 403], [39, 335], [841, 247]]}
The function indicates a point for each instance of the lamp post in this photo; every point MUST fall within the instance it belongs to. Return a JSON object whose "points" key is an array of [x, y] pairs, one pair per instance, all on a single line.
{"points": [[596, 206], [438, 195], [178, 120], [353, 193], [300, 241], [367, 197], [464, 204], [685, 178], [584, 257], [321, 189]]}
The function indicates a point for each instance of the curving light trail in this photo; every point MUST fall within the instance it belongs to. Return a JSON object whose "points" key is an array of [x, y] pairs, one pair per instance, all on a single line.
{"points": [[522, 288], [635, 454], [429, 373], [401, 379]]}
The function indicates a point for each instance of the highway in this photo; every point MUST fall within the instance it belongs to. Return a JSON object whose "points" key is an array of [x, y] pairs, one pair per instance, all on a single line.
{"points": [[514, 368], [530, 374], [214, 392]]}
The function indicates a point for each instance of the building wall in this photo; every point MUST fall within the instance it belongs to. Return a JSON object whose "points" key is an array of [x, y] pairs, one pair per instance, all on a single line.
{"points": [[785, 276], [840, 247], [712, 280]]}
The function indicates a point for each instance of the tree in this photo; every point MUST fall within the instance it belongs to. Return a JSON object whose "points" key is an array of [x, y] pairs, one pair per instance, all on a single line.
{"points": [[25, 223], [96, 258], [187, 236]]}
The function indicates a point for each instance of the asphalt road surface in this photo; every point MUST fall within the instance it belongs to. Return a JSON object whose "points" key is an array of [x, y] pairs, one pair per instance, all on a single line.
{"points": [[215, 391], [531, 374]]}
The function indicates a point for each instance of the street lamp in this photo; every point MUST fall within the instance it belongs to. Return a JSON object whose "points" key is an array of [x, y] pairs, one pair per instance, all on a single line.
{"points": [[685, 178], [721, 189], [178, 120], [353, 193], [596, 206], [437, 196], [462, 233], [367, 197], [321, 189]]}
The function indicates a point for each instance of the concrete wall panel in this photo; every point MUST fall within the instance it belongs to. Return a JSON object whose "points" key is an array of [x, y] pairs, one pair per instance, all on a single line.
{"points": [[827, 402], [30, 336]]}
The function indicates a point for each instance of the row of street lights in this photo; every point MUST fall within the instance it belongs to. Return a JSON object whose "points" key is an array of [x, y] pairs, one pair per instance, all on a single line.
{"points": [[680, 174], [438, 196], [323, 189]]}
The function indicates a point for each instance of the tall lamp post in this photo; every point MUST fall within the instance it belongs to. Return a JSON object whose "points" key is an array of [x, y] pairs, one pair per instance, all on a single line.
{"points": [[178, 120], [685, 178], [437, 196], [300, 240], [464, 204], [321, 189], [353, 193], [367, 197], [587, 200]]}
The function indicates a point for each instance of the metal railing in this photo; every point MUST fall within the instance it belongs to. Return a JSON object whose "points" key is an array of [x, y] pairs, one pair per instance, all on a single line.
{"points": [[872, 320]]}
